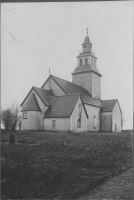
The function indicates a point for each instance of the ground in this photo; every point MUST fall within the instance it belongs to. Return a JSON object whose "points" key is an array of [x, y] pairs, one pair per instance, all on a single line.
{"points": [[52, 165]]}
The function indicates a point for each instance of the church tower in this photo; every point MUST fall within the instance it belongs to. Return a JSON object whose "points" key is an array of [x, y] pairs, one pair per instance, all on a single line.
{"points": [[86, 73]]}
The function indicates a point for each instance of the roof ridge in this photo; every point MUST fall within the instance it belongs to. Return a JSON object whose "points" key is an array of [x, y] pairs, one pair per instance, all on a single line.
{"points": [[72, 83], [67, 81], [66, 95], [110, 100], [41, 88]]}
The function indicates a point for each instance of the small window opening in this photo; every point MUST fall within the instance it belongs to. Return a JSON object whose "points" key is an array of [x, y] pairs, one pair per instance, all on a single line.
{"points": [[86, 61], [94, 122], [80, 61], [95, 63], [80, 108], [79, 123], [25, 115]]}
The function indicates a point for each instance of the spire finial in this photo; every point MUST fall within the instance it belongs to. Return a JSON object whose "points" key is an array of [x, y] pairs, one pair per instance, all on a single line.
{"points": [[87, 31]]}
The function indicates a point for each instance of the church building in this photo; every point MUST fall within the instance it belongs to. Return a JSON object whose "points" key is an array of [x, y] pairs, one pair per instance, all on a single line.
{"points": [[60, 105]]}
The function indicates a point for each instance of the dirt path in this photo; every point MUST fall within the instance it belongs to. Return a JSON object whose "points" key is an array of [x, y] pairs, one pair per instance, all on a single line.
{"points": [[118, 188]]}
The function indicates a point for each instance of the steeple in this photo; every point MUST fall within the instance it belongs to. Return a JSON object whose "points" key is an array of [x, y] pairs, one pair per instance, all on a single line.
{"points": [[87, 45], [86, 73]]}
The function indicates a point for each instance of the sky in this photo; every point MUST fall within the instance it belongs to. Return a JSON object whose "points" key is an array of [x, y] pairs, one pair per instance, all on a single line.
{"points": [[39, 36]]}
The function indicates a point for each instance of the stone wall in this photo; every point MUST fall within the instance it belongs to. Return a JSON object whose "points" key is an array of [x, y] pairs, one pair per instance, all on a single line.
{"points": [[96, 86], [33, 122], [93, 111], [62, 124], [75, 116], [116, 119], [106, 121], [84, 80]]}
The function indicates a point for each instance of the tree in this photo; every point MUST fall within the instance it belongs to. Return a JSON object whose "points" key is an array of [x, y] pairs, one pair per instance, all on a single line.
{"points": [[10, 117], [123, 119]]}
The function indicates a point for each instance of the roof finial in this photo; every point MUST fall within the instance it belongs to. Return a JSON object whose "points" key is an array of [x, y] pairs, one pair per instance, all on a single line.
{"points": [[87, 31]]}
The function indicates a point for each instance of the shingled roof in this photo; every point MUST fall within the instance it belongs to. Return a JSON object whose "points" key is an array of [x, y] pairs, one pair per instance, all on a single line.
{"points": [[108, 105], [86, 68], [71, 88], [62, 106], [31, 104], [43, 94]]}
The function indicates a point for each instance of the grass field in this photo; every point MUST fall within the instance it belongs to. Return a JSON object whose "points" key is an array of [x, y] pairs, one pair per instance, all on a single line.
{"points": [[54, 165]]}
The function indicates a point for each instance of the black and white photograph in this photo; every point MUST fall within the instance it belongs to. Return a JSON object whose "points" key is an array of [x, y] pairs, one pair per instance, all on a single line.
{"points": [[67, 100]]}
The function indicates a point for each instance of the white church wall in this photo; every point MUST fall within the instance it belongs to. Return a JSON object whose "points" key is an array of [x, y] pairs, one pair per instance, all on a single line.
{"points": [[84, 80], [61, 124], [93, 111], [106, 120], [55, 88], [75, 116], [116, 119], [32, 116], [96, 86], [33, 121]]}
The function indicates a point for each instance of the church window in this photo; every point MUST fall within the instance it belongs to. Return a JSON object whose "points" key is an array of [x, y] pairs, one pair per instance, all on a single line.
{"points": [[86, 61], [94, 122], [53, 124], [79, 123], [80, 61], [25, 115], [84, 46], [95, 63], [80, 108]]}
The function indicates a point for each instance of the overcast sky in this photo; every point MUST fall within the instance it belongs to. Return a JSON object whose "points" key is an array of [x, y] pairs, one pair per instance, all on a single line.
{"points": [[39, 36]]}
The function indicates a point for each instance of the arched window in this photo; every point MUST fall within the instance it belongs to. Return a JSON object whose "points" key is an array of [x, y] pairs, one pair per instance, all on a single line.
{"points": [[94, 122], [80, 61], [86, 61]]}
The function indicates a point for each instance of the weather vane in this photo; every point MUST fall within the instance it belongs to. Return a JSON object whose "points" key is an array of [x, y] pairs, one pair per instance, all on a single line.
{"points": [[87, 30]]}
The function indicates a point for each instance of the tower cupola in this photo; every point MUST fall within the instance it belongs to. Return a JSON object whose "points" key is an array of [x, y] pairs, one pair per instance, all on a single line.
{"points": [[87, 45], [86, 74]]}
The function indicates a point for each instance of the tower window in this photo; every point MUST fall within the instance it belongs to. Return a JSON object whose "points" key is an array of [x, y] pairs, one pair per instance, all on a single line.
{"points": [[86, 61], [80, 61], [95, 63]]}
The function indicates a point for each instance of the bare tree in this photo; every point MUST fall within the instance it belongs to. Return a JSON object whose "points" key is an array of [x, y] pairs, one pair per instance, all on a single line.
{"points": [[123, 119], [10, 117]]}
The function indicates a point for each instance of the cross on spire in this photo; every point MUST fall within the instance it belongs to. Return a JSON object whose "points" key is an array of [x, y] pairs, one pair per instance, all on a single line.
{"points": [[87, 30]]}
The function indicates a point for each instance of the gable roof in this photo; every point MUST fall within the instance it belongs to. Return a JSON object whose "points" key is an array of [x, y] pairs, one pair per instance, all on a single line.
{"points": [[62, 106], [31, 104], [71, 88], [43, 94], [108, 105]]}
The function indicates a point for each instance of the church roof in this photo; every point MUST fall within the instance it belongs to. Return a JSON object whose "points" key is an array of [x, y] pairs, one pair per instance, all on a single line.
{"points": [[108, 105], [43, 94], [86, 68], [71, 88], [31, 104], [62, 106]]}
